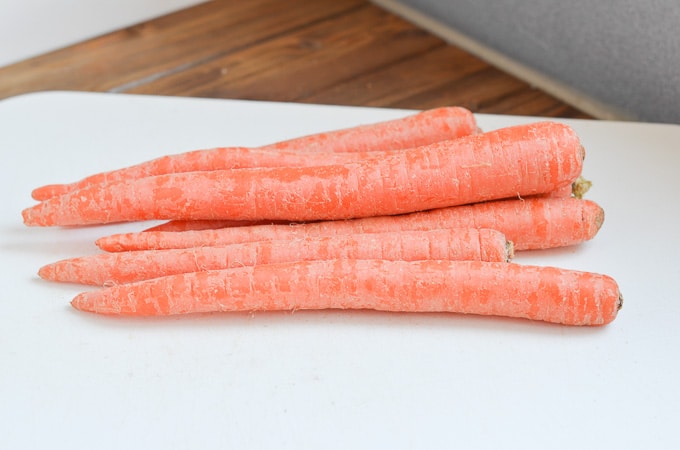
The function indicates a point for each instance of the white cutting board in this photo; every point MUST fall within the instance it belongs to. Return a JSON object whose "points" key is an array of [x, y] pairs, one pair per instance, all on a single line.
{"points": [[328, 379]]}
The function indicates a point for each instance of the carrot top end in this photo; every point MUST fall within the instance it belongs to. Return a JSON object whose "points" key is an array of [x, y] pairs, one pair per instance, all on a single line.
{"points": [[580, 187]]}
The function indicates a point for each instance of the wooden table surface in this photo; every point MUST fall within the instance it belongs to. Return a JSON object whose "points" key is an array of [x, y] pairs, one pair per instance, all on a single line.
{"points": [[344, 52]]}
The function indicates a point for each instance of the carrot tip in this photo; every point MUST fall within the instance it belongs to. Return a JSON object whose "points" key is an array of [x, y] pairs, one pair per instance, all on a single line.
{"points": [[105, 244], [32, 218], [76, 304], [46, 272]]}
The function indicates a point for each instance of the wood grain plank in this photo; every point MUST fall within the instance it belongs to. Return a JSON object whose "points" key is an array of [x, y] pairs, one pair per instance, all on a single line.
{"points": [[484, 90], [533, 102], [472, 91], [297, 64], [390, 85], [165, 45]]}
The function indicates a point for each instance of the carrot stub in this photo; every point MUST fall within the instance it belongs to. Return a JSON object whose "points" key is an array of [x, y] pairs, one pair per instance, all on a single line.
{"points": [[514, 161], [471, 287]]}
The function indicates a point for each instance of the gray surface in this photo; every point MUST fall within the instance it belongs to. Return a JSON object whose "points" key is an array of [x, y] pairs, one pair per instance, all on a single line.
{"points": [[623, 53]]}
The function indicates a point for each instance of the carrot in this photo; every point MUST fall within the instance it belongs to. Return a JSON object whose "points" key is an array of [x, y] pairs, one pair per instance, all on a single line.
{"points": [[531, 223], [514, 161], [126, 267], [471, 287], [577, 189], [415, 130]]}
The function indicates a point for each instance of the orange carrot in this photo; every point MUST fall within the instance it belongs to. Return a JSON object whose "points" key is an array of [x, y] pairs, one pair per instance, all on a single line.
{"points": [[515, 161], [471, 287], [531, 223], [126, 267], [419, 129], [577, 189]]}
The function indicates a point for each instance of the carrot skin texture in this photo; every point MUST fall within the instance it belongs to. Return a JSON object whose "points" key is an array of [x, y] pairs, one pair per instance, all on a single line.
{"points": [[470, 287], [514, 161], [412, 131], [532, 223], [564, 191], [127, 267]]}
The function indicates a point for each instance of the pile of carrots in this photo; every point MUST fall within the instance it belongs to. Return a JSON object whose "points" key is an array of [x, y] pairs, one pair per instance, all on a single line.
{"points": [[419, 214]]}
